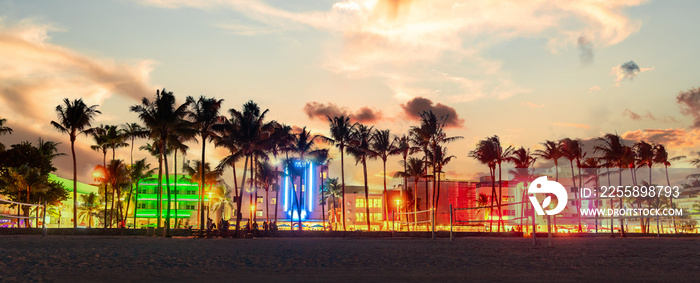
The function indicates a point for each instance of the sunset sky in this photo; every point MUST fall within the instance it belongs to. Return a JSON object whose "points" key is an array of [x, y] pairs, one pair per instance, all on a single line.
{"points": [[526, 71]]}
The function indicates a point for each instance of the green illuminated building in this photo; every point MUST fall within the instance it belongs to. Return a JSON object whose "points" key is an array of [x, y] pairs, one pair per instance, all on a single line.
{"points": [[183, 203]]}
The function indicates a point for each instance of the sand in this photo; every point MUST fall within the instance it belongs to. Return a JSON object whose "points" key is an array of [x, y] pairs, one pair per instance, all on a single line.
{"points": [[148, 259]]}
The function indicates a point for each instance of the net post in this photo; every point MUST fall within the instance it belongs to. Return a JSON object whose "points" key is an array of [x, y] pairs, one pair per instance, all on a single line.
{"points": [[393, 223], [451, 235], [433, 220]]}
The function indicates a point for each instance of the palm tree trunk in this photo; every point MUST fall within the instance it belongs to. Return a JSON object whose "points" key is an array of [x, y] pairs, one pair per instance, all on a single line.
{"points": [[622, 225], [342, 177], [500, 199], [159, 197], [668, 181], [415, 203], [136, 202], [75, 182], [175, 184], [267, 205], [364, 168], [492, 172], [167, 186], [201, 183], [386, 201], [239, 215]]}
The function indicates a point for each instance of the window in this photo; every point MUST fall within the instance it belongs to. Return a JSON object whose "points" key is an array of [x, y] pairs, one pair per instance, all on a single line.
{"points": [[375, 217], [509, 213], [373, 202], [259, 213], [142, 205], [273, 201], [260, 199], [190, 206], [142, 191], [191, 192]]}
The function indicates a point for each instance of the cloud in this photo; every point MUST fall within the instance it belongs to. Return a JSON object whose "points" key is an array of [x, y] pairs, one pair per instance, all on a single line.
{"points": [[380, 37], [689, 102], [532, 105], [627, 71], [672, 137], [317, 110], [594, 88], [36, 74], [585, 49], [415, 106], [571, 125]]}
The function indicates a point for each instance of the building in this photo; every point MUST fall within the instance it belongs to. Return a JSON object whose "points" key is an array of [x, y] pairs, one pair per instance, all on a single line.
{"points": [[184, 196]]}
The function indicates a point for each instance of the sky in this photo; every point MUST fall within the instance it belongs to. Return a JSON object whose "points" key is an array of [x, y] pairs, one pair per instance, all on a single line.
{"points": [[527, 71]]}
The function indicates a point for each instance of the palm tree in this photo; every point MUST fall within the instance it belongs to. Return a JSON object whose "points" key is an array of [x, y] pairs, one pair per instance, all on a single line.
{"points": [[90, 207], [194, 174], [332, 190], [265, 177], [552, 152], [523, 160], [163, 118], [441, 159], [430, 136], [382, 145], [74, 118], [613, 152], [3, 131], [323, 160], [154, 149], [221, 199], [572, 150], [303, 145], [133, 131], [139, 171], [205, 115], [360, 149], [414, 170], [251, 135], [341, 134], [177, 145], [404, 148], [661, 157], [486, 152], [117, 177]]}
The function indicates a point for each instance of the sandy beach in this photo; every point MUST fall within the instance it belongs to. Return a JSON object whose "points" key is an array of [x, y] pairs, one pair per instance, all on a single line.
{"points": [[148, 259]]}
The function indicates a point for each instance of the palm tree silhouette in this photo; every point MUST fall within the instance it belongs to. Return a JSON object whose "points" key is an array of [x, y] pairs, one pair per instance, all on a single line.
{"points": [[332, 190], [523, 160], [441, 159], [360, 149], [205, 116], [163, 118], [139, 171], [74, 118], [613, 151], [552, 152], [661, 157], [382, 146], [341, 135], [485, 153], [251, 132], [415, 171], [4, 130], [404, 148], [90, 207], [572, 150], [265, 177]]}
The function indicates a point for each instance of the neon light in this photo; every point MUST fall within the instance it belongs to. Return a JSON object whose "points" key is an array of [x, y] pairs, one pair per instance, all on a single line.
{"points": [[295, 216], [286, 190], [311, 187]]}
